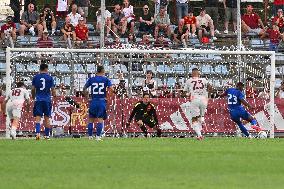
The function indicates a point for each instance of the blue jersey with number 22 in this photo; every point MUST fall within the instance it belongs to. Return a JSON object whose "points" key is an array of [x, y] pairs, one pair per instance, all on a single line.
{"points": [[234, 98], [43, 82], [98, 86]]}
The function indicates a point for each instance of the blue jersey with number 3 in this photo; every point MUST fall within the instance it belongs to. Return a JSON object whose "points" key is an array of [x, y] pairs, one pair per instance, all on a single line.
{"points": [[98, 86], [234, 98], [43, 82]]}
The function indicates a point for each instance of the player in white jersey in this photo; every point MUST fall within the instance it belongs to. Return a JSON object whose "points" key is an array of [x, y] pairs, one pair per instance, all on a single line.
{"points": [[197, 89], [14, 103]]}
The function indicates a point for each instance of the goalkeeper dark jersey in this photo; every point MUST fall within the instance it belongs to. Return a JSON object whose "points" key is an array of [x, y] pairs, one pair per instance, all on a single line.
{"points": [[143, 111]]}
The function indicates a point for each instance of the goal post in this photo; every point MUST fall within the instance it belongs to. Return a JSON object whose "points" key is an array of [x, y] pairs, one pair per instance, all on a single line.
{"points": [[188, 54]]}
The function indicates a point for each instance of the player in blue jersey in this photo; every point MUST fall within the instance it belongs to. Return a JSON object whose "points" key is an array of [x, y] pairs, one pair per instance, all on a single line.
{"points": [[236, 100], [42, 88], [100, 85]]}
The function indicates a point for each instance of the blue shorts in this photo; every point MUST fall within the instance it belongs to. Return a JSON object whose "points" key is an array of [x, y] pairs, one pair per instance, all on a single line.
{"points": [[42, 108], [98, 109], [238, 113]]}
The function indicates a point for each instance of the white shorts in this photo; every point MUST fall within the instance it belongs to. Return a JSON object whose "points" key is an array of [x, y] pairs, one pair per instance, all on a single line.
{"points": [[198, 107], [14, 112]]}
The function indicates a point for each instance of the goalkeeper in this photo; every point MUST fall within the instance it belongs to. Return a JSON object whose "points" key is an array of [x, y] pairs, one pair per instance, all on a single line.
{"points": [[145, 114]]}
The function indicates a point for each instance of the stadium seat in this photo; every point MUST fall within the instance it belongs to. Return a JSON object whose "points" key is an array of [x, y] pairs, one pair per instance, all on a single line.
{"points": [[191, 67], [91, 68], [32, 67], [90, 27], [224, 70], [66, 81], [178, 68], [216, 83], [120, 67], [218, 69], [79, 68], [20, 68], [64, 68], [171, 82], [57, 80], [278, 83], [22, 40], [256, 43], [51, 68], [2, 67], [33, 40], [151, 67], [159, 82], [138, 82], [207, 69]]}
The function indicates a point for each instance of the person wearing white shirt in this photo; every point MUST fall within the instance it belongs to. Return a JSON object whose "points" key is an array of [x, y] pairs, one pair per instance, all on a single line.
{"points": [[74, 16], [107, 21], [129, 15], [205, 25]]}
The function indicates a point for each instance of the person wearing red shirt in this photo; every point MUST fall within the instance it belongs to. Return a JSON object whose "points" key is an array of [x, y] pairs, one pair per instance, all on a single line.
{"points": [[44, 41], [81, 30], [251, 22], [277, 4], [250, 90], [279, 20], [274, 36], [8, 28], [190, 22]]}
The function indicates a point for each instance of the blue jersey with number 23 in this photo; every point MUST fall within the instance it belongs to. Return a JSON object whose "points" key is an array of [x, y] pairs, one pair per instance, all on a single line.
{"points": [[98, 86], [234, 98]]}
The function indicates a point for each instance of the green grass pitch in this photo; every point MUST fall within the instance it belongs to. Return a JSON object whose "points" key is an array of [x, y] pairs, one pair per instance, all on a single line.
{"points": [[134, 163]]}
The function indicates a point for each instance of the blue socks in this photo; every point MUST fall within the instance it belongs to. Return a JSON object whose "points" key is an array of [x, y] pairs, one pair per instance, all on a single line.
{"points": [[243, 129], [100, 127], [37, 128], [46, 131], [90, 129], [253, 122]]}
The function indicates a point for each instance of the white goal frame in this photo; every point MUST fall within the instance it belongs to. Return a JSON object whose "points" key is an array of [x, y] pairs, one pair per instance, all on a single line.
{"points": [[139, 51]]}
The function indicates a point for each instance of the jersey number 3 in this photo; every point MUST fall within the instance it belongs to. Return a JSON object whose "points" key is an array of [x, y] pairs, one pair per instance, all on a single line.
{"points": [[98, 88], [43, 84], [232, 99]]}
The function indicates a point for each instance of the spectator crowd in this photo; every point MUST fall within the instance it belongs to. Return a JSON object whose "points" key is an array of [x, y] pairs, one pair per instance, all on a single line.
{"points": [[122, 21]]}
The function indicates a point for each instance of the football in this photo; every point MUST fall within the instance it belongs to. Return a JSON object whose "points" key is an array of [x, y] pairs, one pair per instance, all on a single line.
{"points": [[262, 135]]}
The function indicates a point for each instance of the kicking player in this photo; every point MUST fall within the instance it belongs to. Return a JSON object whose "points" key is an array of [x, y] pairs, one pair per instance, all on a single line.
{"points": [[42, 88], [100, 85], [145, 114], [197, 89], [236, 98], [14, 103]]}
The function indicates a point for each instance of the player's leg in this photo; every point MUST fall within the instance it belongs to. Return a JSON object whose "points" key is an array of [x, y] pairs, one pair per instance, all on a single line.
{"points": [[91, 126], [37, 113], [195, 120], [101, 115], [236, 117], [248, 117], [15, 122], [47, 106], [9, 111], [142, 126], [152, 124]]}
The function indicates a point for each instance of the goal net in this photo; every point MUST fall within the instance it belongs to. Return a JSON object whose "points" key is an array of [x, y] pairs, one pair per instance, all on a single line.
{"points": [[127, 68]]}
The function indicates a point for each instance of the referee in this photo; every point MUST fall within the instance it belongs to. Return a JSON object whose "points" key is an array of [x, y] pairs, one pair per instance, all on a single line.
{"points": [[144, 113]]}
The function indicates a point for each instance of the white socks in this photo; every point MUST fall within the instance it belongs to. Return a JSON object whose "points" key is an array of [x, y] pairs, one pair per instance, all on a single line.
{"points": [[196, 126], [13, 133]]}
